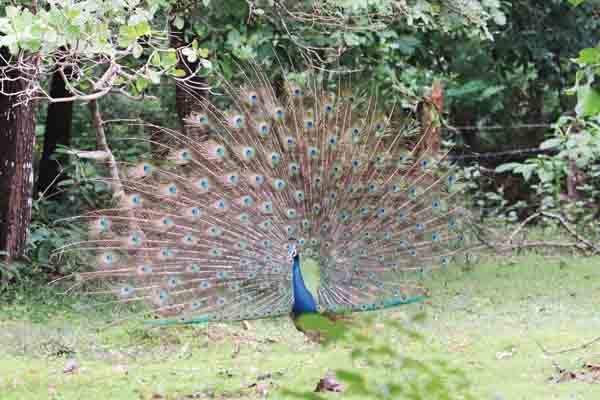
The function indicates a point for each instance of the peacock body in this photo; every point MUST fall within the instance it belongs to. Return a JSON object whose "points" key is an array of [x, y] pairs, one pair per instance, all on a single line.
{"points": [[215, 226]]}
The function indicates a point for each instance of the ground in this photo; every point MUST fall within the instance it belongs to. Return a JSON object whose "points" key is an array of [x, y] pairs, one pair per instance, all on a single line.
{"points": [[488, 322]]}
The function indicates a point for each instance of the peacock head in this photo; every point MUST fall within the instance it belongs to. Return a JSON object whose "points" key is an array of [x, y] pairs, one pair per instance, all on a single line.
{"points": [[292, 250]]}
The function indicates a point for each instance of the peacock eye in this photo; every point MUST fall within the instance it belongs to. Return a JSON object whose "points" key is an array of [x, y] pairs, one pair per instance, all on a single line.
{"points": [[328, 108]]}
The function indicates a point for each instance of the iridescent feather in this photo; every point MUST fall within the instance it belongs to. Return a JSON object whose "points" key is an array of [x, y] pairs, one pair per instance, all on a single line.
{"points": [[203, 234]]}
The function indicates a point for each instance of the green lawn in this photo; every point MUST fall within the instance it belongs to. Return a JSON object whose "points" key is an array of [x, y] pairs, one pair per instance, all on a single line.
{"points": [[485, 322]]}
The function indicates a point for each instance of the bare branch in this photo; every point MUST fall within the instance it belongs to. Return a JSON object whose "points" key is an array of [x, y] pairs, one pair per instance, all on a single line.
{"points": [[522, 225], [570, 229], [116, 183], [92, 155], [568, 349]]}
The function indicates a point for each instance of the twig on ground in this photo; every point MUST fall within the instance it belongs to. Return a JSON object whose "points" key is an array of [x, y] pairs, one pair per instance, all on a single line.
{"points": [[568, 349]]}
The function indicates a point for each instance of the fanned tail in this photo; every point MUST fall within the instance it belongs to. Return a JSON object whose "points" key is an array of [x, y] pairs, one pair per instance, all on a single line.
{"points": [[202, 233]]}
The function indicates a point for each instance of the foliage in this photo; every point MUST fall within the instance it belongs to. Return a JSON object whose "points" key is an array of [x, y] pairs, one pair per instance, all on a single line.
{"points": [[518, 78], [375, 38], [576, 140], [98, 46], [374, 345]]}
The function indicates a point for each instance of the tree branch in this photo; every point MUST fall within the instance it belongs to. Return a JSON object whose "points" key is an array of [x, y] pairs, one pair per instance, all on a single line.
{"points": [[116, 183]]}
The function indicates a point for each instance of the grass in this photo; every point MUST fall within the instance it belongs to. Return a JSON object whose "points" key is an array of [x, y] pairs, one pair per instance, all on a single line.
{"points": [[485, 322]]}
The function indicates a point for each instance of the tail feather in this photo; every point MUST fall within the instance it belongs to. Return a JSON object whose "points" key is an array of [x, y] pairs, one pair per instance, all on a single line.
{"points": [[202, 232]]}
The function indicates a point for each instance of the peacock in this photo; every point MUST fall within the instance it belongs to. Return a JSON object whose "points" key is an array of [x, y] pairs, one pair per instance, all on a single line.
{"points": [[291, 198]]}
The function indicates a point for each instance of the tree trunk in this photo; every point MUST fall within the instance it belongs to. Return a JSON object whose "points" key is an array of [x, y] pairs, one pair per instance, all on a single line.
{"points": [[17, 138], [431, 114], [58, 132], [188, 97]]}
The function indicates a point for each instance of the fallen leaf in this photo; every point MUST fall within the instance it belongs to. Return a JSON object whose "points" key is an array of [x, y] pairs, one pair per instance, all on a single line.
{"points": [[70, 366], [262, 389], [329, 384]]}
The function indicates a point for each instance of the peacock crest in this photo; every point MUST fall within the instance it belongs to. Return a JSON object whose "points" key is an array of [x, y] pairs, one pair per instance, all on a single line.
{"points": [[215, 228]]}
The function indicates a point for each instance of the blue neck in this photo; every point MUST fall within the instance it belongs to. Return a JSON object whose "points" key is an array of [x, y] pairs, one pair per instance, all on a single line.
{"points": [[304, 301]]}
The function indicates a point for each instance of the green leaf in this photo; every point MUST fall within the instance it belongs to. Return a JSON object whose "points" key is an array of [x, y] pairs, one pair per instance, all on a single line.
{"points": [[169, 59], [407, 44], [350, 377], [588, 102], [491, 91], [551, 143], [179, 73], [179, 22], [234, 38], [138, 50], [589, 56], [153, 76], [190, 54], [143, 29], [12, 12], [127, 35], [352, 39], [141, 84], [326, 328], [155, 59], [526, 170], [203, 52], [545, 175], [507, 167]]}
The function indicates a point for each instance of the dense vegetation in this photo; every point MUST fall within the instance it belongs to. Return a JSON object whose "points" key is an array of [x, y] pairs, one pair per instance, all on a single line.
{"points": [[501, 65], [516, 75]]}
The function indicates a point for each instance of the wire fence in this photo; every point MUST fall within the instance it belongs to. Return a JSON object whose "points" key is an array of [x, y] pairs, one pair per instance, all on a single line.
{"points": [[515, 154]]}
